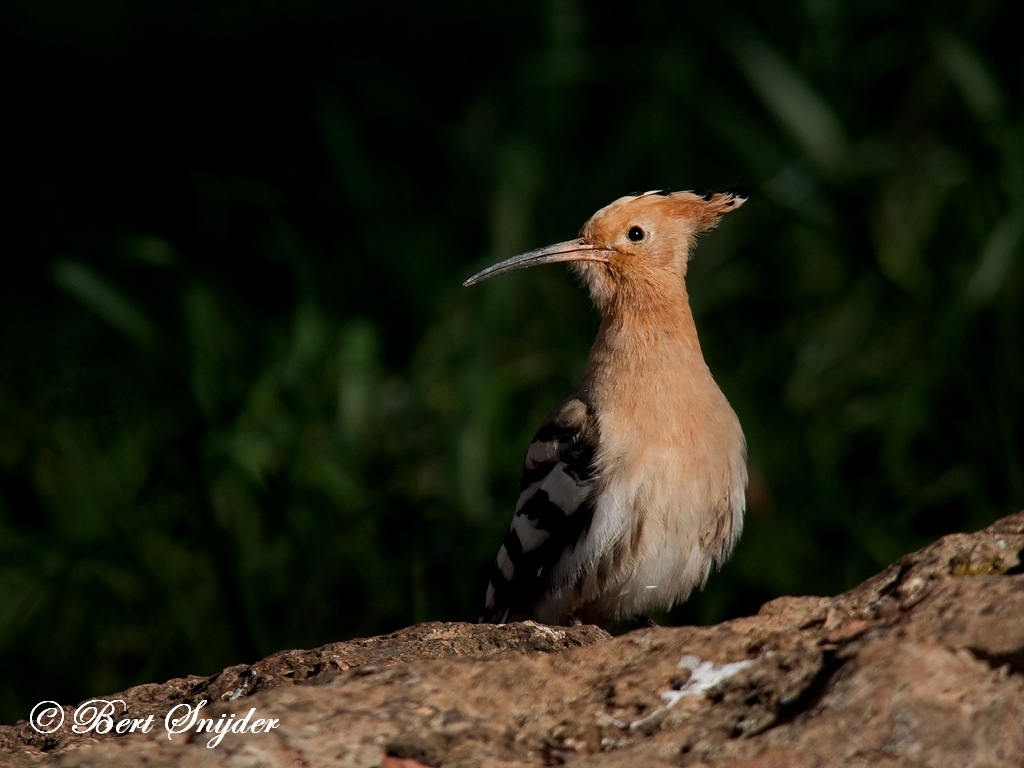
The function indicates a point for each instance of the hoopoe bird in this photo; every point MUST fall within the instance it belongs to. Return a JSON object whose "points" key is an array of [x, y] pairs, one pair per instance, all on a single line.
{"points": [[633, 487]]}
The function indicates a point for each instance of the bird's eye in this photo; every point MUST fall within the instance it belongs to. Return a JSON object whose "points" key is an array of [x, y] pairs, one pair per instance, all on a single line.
{"points": [[635, 234]]}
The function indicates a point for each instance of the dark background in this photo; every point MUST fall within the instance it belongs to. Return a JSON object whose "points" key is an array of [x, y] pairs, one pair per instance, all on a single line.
{"points": [[245, 404]]}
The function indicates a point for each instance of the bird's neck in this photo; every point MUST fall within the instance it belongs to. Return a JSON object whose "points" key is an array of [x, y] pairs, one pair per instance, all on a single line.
{"points": [[646, 347]]}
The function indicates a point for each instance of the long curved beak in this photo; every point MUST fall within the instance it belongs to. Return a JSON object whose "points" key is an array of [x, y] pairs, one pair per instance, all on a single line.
{"points": [[570, 250]]}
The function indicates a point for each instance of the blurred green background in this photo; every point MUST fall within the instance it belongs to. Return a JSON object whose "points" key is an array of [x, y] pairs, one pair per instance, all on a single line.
{"points": [[245, 404]]}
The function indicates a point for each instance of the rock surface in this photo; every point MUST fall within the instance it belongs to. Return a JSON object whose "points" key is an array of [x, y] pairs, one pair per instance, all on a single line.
{"points": [[922, 665]]}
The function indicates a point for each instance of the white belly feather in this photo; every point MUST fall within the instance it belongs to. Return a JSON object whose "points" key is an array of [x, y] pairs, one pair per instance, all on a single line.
{"points": [[663, 517]]}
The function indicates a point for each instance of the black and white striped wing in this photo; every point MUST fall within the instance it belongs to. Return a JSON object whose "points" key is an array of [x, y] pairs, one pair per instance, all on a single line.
{"points": [[554, 511]]}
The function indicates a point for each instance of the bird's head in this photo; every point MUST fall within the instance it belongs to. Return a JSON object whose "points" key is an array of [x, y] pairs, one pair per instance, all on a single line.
{"points": [[635, 248]]}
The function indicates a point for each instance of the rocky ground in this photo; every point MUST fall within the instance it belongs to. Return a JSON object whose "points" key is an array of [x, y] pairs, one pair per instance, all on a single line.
{"points": [[922, 665]]}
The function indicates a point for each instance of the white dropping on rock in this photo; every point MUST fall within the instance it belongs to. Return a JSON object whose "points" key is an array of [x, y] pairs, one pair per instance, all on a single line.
{"points": [[704, 675]]}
